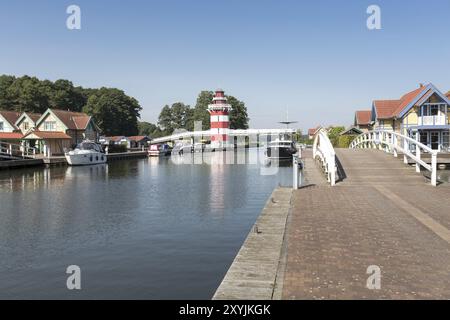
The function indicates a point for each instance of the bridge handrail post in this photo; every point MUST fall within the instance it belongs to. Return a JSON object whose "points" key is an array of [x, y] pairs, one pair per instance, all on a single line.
{"points": [[434, 168], [405, 148], [394, 144], [418, 153], [332, 169]]}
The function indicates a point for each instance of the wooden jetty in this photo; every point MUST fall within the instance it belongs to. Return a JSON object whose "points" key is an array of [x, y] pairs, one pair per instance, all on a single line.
{"points": [[10, 164]]}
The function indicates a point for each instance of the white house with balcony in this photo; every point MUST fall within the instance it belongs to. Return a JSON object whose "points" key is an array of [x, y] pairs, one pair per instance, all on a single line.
{"points": [[422, 114]]}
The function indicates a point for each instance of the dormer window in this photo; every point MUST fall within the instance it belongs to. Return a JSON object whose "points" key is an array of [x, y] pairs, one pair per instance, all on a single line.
{"points": [[50, 126], [26, 125]]}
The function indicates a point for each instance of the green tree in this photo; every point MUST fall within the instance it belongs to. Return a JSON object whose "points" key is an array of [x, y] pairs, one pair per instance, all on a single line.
{"points": [[6, 102], [334, 133], [201, 109], [149, 129], [64, 95], [165, 120], [177, 116], [238, 115], [28, 94], [114, 112]]}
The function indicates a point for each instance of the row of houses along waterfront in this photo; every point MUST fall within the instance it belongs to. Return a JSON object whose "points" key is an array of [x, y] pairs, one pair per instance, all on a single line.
{"points": [[421, 114]]}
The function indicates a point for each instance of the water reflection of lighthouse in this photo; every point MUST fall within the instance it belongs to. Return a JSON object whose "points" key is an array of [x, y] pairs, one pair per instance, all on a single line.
{"points": [[220, 122]]}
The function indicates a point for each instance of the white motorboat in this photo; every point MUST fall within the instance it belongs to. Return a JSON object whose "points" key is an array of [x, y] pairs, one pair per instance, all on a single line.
{"points": [[281, 149], [86, 153]]}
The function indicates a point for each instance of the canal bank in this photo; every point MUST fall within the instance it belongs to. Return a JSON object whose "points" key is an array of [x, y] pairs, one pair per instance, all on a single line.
{"points": [[61, 160]]}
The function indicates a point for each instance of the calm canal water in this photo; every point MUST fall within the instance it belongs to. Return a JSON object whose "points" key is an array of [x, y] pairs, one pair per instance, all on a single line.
{"points": [[138, 229]]}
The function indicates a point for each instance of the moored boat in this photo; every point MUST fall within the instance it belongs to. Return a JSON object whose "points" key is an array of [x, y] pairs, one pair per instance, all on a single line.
{"points": [[159, 150], [281, 149], [86, 153]]}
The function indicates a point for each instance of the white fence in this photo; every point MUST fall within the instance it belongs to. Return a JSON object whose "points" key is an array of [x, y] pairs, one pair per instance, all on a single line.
{"points": [[394, 143], [324, 152], [16, 151]]}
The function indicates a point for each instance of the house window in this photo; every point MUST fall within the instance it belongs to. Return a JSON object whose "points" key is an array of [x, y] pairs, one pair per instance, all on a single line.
{"points": [[26, 125], [434, 140], [50, 126], [434, 110], [424, 137], [446, 140], [1, 126]]}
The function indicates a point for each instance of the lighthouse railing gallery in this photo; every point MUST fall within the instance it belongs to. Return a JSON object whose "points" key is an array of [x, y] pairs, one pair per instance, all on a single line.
{"points": [[323, 152]]}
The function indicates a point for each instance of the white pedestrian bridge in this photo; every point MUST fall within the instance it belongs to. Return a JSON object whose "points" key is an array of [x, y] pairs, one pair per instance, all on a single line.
{"points": [[231, 132], [398, 145]]}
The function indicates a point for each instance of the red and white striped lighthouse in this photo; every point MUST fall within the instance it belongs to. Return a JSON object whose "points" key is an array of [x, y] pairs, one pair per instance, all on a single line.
{"points": [[220, 122]]}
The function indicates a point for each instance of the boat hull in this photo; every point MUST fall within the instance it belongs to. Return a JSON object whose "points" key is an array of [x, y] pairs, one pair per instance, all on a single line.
{"points": [[280, 152], [86, 159]]}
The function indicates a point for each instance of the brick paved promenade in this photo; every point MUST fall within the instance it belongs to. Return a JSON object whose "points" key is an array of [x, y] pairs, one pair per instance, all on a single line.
{"points": [[382, 213]]}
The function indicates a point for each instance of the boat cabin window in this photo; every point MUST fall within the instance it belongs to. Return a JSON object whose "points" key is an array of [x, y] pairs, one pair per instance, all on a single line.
{"points": [[88, 146]]}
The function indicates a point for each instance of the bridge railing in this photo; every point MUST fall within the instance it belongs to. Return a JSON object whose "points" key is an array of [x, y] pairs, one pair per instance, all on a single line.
{"points": [[16, 150], [395, 143], [324, 152]]}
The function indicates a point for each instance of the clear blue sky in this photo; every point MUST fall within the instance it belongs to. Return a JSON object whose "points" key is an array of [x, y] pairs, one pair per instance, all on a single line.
{"points": [[316, 58]]}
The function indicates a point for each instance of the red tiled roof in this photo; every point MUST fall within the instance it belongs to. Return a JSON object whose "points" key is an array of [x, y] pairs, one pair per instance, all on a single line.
{"points": [[10, 136], [34, 116], [11, 117], [363, 117], [73, 120], [313, 131], [81, 122], [408, 98], [137, 138], [115, 138], [387, 109], [50, 134]]}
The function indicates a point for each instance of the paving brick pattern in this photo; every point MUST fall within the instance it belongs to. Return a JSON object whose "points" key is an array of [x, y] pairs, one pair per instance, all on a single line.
{"points": [[370, 218]]}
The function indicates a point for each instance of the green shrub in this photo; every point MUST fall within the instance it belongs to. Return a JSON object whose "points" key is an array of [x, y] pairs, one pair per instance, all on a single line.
{"points": [[344, 141], [117, 148]]}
